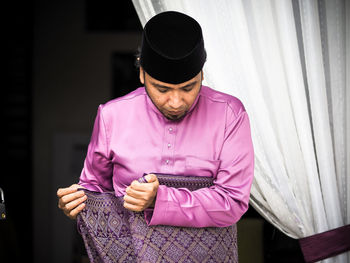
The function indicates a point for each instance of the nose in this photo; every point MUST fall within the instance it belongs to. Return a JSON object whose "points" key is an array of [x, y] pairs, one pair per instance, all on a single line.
{"points": [[175, 100]]}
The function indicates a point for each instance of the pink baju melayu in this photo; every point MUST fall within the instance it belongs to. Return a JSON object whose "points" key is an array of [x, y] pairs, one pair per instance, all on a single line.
{"points": [[131, 137]]}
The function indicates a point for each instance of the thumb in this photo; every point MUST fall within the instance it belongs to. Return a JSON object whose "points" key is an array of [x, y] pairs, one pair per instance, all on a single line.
{"points": [[151, 178]]}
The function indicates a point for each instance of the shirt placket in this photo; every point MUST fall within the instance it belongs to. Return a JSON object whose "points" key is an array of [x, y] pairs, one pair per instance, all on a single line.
{"points": [[168, 148]]}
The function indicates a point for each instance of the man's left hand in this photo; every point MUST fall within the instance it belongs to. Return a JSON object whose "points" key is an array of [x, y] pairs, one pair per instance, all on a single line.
{"points": [[139, 196]]}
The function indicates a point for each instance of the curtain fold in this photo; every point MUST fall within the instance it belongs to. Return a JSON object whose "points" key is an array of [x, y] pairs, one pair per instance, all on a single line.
{"points": [[315, 75], [288, 61]]}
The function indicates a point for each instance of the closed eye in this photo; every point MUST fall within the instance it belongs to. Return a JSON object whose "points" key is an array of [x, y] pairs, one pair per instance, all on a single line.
{"points": [[188, 89], [162, 90]]}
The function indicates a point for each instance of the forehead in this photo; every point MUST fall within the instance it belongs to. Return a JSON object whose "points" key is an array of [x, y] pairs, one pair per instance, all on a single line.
{"points": [[161, 84]]}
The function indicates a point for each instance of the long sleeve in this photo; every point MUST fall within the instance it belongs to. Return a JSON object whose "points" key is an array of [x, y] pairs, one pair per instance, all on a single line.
{"points": [[97, 171], [222, 204]]}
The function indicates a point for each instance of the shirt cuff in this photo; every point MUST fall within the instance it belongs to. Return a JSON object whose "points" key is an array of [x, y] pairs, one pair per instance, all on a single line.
{"points": [[153, 216]]}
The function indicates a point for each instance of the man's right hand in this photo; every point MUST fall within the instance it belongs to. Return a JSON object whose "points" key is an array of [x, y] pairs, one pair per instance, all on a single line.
{"points": [[71, 201]]}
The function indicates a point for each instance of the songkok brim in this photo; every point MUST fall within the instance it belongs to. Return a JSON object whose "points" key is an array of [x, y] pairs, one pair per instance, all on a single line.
{"points": [[172, 47]]}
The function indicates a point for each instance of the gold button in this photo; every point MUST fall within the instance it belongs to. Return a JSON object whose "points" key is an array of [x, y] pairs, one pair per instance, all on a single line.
{"points": [[3, 216]]}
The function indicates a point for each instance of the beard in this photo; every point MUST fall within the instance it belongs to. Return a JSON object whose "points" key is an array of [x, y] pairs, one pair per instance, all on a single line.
{"points": [[174, 117]]}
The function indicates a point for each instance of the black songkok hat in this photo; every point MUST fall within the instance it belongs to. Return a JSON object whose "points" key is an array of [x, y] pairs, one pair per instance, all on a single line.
{"points": [[172, 47]]}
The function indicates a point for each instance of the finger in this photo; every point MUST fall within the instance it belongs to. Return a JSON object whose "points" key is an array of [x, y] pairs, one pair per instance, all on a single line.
{"points": [[69, 198], [141, 187], [64, 191], [146, 191], [136, 194], [135, 183], [73, 214], [134, 201], [151, 178], [132, 207], [72, 205]]}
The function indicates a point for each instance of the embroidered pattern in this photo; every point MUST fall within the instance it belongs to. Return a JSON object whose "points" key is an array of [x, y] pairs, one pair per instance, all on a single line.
{"points": [[112, 233]]}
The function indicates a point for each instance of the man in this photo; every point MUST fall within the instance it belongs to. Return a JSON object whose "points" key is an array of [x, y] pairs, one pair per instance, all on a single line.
{"points": [[173, 125]]}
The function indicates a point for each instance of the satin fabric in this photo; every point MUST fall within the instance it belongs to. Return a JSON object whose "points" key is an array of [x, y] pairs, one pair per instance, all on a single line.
{"points": [[131, 137]]}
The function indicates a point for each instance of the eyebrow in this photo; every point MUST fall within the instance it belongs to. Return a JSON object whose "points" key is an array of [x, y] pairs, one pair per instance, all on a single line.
{"points": [[166, 87]]}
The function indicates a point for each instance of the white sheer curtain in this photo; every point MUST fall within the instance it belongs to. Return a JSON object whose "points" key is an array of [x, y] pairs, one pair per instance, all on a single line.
{"points": [[288, 62]]}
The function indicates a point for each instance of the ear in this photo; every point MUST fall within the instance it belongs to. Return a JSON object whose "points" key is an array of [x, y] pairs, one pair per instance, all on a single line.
{"points": [[142, 76], [202, 75]]}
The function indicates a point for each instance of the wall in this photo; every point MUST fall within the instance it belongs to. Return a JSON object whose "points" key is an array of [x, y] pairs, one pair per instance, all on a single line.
{"points": [[71, 77]]}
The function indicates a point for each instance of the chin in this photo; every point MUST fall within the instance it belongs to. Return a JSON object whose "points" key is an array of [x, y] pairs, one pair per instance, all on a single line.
{"points": [[175, 117]]}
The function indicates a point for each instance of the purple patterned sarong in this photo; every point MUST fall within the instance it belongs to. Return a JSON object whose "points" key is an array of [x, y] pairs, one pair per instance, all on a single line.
{"points": [[112, 233]]}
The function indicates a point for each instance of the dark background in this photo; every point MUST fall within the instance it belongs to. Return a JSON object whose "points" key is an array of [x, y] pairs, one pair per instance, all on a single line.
{"points": [[53, 83]]}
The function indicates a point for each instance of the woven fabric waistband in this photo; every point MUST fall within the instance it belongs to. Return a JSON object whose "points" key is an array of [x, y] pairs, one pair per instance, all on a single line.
{"points": [[179, 181]]}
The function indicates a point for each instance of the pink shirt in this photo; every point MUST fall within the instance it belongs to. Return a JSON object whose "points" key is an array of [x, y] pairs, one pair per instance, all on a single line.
{"points": [[132, 137]]}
